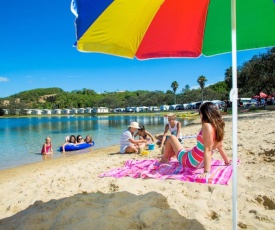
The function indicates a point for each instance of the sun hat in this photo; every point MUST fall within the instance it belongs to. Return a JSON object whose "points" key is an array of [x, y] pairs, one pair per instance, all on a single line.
{"points": [[134, 125]]}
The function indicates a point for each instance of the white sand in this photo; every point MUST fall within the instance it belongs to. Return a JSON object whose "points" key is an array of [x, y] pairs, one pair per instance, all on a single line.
{"points": [[67, 193]]}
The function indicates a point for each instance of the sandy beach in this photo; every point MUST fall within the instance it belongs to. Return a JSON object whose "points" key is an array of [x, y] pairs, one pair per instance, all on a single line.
{"points": [[67, 193]]}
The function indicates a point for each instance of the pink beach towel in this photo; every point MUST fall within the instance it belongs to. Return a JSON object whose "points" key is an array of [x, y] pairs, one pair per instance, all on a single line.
{"points": [[150, 168]]}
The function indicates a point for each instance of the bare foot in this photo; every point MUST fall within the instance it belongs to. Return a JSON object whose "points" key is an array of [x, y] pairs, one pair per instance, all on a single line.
{"points": [[162, 160]]}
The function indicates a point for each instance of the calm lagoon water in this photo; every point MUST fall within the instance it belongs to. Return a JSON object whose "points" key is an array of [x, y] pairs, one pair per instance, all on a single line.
{"points": [[22, 138]]}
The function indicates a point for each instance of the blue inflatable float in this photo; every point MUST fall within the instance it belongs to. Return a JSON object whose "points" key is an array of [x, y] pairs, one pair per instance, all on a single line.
{"points": [[72, 147]]}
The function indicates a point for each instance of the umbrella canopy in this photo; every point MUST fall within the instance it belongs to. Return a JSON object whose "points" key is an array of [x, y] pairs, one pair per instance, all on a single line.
{"points": [[171, 28], [263, 95]]}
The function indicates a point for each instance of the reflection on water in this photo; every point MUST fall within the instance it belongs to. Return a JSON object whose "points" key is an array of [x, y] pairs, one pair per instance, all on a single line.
{"points": [[22, 138]]}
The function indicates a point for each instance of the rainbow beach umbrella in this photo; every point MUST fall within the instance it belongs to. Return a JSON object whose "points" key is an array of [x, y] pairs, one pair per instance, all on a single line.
{"points": [[171, 28], [146, 29]]}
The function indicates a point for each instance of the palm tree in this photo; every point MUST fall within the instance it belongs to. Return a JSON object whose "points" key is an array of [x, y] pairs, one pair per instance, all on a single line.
{"points": [[174, 86], [201, 80]]}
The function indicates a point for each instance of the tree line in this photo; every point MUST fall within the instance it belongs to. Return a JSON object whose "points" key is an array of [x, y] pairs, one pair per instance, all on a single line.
{"points": [[41, 99], [254, 76]]}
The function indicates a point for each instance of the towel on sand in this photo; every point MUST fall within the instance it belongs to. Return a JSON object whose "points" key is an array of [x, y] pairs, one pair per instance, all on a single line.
{"points": [[150, 168]]}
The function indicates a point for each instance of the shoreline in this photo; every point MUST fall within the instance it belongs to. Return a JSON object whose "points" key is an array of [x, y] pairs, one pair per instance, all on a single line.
{"points": [[67, 192], [162, 113], [193, 121], [111, 148]]}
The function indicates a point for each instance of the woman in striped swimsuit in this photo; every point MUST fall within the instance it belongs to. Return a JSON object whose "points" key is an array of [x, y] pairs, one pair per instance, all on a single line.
{"points": [[209, 138]]}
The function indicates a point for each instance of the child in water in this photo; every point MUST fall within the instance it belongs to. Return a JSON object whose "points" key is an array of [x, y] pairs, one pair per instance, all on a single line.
{"points": [[89, 139], [71, 140], [47, 147]]}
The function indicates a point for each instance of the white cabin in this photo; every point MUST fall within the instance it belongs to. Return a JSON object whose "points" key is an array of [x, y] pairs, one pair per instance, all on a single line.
{"points": [[37, 111], [47, 111], [88, 110], [66, 111], [6, 111], [153, 108], [28, 111], [74, 111], [164, 107], [81, 110], [100, 110], [57, 111]]}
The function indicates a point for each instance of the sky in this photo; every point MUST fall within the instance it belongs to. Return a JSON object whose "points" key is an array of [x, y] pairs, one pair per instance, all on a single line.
{"points": [[37, 51]]}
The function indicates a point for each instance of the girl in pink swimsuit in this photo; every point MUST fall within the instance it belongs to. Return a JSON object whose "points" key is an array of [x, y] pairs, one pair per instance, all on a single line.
{"points": [[47, 147], [209, 138]]}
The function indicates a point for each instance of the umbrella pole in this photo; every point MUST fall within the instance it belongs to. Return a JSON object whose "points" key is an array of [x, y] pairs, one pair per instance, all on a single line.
{"points": [[234, 98]]}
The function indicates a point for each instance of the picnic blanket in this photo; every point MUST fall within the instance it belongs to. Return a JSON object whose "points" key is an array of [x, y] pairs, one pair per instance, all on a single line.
{"points": [[151, 168]]}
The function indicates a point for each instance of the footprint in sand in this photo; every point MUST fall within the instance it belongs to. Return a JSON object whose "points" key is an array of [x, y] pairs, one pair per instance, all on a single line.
{"points": [[265, 201], [242, 225], [212, 215], [113, 187], [270, 152]]}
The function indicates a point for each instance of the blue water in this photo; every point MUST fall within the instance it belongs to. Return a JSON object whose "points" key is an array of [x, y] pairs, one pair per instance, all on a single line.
{"points": [[22, 138]]}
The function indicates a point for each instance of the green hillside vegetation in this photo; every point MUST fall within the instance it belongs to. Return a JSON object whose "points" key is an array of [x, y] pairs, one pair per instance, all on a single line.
{"points": [[254, 76], [51, 98]]}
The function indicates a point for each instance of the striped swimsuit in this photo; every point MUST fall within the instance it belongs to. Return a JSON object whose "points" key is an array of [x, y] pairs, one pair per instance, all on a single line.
{"points": [[193, 158]]}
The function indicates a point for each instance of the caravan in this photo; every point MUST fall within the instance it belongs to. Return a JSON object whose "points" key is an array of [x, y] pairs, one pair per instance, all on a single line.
{"points": [[153, 108], [141, 109], [164, 107], [244, 102]]}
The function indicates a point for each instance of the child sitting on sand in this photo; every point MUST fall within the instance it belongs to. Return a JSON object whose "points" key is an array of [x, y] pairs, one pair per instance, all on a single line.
{"points": [[144, 135], [47, 147], [173, 126], [127, 142]]}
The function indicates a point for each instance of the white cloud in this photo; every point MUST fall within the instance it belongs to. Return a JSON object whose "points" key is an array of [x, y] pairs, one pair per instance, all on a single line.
{"points": [[3, 79]]}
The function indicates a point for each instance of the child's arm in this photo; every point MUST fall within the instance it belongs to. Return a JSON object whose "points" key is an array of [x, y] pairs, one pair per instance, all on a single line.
{"points": [[150, 135], [43, 149], [164, 135], [178, 129], [133, 141], [137, 143], [63, 146]]}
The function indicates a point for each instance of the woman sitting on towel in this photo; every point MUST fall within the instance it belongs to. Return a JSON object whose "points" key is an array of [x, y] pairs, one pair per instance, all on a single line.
{"points": [[209, 138]]}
